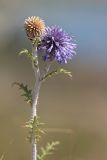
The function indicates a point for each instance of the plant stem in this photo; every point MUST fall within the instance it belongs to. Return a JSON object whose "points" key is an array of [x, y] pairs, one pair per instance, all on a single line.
{"points": [[35, 95]]}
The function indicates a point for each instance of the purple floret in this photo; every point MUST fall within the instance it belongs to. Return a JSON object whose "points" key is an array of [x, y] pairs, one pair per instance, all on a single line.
{"points": [[56, 44]]}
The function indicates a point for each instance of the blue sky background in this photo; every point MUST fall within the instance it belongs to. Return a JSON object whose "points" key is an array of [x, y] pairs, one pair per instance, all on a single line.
{"points": [[86, 20]]}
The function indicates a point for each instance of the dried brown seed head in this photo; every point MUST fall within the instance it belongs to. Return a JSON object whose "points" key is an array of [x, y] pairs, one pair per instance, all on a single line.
{"points": [[34, 27]]}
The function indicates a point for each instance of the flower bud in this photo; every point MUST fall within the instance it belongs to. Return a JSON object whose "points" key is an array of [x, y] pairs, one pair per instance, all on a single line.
{"points": [[34, 27]]}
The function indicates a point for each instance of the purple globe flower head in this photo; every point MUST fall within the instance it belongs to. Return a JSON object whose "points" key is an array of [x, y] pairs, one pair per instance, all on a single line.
{"points": [[57, 45]]}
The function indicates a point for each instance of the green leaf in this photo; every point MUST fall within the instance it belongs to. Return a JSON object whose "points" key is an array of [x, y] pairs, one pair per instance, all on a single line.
{"points": [[50, 147], [49, 75], [65, 72], [27, 93], [24, 51], [35, 129], [29, 55], [56, 72]]}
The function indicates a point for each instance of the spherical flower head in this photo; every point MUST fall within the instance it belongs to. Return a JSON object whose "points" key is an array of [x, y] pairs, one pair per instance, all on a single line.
{"points": [[34, 27], [57, 45]]}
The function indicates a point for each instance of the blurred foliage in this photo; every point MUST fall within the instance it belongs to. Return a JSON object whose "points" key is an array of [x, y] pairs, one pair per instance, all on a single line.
{"points": [[2, 157], [50, 147]]}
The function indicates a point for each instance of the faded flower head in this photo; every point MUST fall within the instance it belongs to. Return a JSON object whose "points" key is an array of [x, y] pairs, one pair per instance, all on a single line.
{"points": [[56, 44], [34, 27]]}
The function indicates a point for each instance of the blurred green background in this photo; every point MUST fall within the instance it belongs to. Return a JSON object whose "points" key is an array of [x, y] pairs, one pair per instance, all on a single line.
{"points": [[79, 105]]}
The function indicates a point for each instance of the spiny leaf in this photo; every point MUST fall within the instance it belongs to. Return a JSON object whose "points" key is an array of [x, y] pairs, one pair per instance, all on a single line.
{"points": [[65, 72], [56, 72], [27, 93], [29, 55], [50, 147], [24, 51], [49, 75], [35, 130]]}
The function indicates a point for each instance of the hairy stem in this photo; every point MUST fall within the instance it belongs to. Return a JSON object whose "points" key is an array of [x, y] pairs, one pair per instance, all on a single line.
{"points": [[35, 95]]}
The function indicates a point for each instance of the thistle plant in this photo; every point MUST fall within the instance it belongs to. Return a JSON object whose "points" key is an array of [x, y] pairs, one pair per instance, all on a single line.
{"points": [[50, 45]]}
